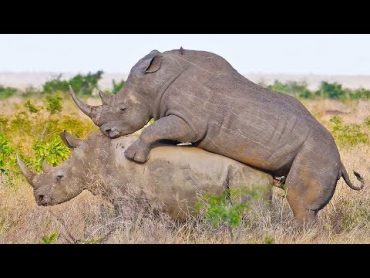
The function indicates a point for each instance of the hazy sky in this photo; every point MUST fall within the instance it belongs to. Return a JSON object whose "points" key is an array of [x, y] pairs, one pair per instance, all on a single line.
{"points": [[304, 54]]}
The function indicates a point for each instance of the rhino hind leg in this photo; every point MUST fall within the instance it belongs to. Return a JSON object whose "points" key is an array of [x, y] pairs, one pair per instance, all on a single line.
{"points": [[310, 185]]}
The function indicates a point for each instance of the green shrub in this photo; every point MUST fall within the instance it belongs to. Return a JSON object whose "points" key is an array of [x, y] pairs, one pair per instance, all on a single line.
{"points": [[347, 134], [82, 84], [117, 87], [5, 152], [228, 208], [31, 91], [55, 85], [21, 122], [30, 107], [3, 123], [6, 92], [54, 152], [54, 103], [359, 94], [366, 121], [85, 84], [293, 88], [326, 90], [50, 238], [331, 90], [268, 239]]}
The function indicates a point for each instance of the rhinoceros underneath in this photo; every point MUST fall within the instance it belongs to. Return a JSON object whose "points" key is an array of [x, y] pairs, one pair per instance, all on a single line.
{"points": [[175, 176], [198, 97]]}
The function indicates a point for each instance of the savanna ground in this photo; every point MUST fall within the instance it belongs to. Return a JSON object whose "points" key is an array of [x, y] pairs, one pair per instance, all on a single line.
{"points": [[30, 126]]}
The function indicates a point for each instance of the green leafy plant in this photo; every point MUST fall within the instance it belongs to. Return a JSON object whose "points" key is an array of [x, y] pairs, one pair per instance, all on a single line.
{"points": [[366, 121], [292, 88], [30, 107], [347, 134], [332, 90], [31, 91], [54, 85], [228, 208], [50, 238], [117, 87], [85, 84], [82, 84], [6, 151], [6, 92], [54, 103], [53, 152], [268, 239]]}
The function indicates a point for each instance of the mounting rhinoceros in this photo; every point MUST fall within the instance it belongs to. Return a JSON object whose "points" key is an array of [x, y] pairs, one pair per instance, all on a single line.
{"points": [[198, 97], [174, 177]]}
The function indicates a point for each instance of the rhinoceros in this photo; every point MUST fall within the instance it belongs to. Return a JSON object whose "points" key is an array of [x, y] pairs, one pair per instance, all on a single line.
{"points": [[198, 97], [175, 177]]}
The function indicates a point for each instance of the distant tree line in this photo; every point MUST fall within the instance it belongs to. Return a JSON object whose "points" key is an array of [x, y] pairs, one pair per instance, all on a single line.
{"points": [[83, 84]]}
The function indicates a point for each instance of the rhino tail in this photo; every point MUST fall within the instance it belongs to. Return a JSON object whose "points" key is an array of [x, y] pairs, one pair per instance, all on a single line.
{"points": [[348, 181]]}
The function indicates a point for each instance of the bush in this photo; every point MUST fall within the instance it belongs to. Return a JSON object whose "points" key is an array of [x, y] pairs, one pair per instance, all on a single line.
{"points": [[82, 84], [50, 238], [54, 152], [359, 94], [85, 84], [228, 208], [6, 92], [117, 87], [5, 154], [30, 107], [292, 88], [54, 103], [326, 90], [347, 134], [331, 90], [55, 85]]}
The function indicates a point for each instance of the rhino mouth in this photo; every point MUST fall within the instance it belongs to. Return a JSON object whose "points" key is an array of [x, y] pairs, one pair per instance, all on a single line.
{"points": [[112, 133]]}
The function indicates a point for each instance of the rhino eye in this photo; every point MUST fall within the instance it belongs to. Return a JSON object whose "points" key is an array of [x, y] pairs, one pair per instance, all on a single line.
{"points": [[122, 109], [59, 177]]}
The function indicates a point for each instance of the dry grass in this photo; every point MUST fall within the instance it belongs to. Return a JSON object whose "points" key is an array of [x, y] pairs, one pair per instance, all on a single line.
{"points": [[88, 219]]}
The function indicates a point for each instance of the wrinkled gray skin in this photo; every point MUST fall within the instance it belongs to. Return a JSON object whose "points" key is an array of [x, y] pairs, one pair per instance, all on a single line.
{"points": [[173, 178], [198, 97]]}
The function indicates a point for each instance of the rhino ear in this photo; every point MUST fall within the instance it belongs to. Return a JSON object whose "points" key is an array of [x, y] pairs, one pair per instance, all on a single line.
{"points": [[154, 64], [69, 140]]}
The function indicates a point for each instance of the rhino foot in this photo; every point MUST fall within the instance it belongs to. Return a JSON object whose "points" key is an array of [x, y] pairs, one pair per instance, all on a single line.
{"points": [[138, 152]]}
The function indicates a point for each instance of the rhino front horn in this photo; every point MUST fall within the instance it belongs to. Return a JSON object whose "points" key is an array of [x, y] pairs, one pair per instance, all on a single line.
{"points": [[87, 109], [29, 175]]}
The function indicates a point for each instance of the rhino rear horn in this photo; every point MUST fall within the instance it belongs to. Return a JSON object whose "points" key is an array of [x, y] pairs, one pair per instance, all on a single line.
{"points": [[85, 108], [29, 175], [69, 140], [46, 167], [104, 97]]}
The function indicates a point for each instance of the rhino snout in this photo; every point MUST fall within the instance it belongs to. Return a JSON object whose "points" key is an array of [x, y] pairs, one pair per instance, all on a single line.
{"points": [[110, 132], [42, 199]]}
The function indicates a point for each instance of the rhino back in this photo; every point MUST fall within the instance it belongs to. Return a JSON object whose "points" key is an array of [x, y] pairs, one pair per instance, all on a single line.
{"points": [[266, 128]]}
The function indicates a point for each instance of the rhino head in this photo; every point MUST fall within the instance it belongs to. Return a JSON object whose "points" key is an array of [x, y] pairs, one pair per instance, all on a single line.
{"points": [[56, 185], [133, 107]]}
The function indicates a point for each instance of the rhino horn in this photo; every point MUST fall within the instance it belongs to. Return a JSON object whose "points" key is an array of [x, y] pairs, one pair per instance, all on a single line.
{"points": [[46, 167], [87, 109], [29, 175], [104, 97]]}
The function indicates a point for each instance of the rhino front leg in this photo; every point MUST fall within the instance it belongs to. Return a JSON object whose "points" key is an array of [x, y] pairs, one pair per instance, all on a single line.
{"points": [[170, 128]]}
